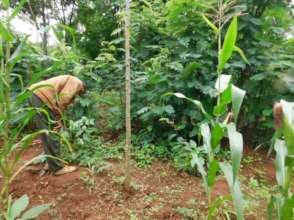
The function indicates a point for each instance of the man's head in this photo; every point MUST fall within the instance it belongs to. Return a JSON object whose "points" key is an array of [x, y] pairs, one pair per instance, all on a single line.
{"points": [[83, 89]]}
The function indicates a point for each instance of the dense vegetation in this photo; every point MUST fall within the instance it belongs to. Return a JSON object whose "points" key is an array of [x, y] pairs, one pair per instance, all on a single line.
{"points": [[192, 62]]}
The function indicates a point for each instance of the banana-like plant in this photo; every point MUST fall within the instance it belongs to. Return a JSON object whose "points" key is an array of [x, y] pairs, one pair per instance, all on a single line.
{"points": [[281, 205]]}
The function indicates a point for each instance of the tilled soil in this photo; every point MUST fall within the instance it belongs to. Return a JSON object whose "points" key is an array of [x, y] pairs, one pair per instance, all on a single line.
{"points": [[161, 191]]}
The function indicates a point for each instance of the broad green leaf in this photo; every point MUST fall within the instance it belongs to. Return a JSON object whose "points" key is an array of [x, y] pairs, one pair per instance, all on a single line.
{"points": [[19, 206], [236, 147], [238, 200], [5, 4], [235, 189], [288, 121], [222, 82], [228, 45], [240, 51], [212, 171], [210, 24], [17, 10], [5, 33], [35, 212], [216, 135], [199, 162], [225, 99], [237, 100], [1, 47], [289, 136], [206, 134], [228, 172], [287, 209], [281, 169], [270, 209]]}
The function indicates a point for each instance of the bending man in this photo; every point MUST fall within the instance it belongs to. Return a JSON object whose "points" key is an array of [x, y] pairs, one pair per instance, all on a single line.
{"points": [[54, 95]]}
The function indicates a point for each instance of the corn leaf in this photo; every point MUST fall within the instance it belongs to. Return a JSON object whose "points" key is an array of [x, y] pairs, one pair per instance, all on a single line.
{"points": [[1, 48], [236, 146], [210, 24], [240, 51], [17, 10], [281, 169], [18, 207], [229, 43], [5, 33], [195, 102], [287, 209], [5, 4], [235, 189], [237, 100], [199, 162], [212, 171], [222, 82], [225, 99], [206, 134], [216, 136]]}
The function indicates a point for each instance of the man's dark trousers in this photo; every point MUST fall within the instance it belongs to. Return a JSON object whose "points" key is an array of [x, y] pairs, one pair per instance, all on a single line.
{"points": [[40, 122]]}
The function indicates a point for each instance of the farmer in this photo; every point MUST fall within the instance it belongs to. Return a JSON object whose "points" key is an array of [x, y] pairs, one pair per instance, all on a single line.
{"points": [[54, 95]]}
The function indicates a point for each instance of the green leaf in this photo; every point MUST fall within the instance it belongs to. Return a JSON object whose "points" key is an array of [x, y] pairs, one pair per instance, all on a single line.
{"points": [[35, 212], [17, 10], [212, 171], [5, 4], [19, 206], [288, 129], [281, 169], [287, 209], [206, 134], [1, 48], [5, 33], [210, 24], [237, 100], [225, 99], [216, 135], [229, 43], [236, 147], [235, 189], [195, 102], [240, 51], [196, 160], [18, 53], [222, 82]]}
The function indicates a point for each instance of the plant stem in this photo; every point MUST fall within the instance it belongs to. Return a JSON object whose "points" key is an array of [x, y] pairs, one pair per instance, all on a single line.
{"points": [[220, 15]]}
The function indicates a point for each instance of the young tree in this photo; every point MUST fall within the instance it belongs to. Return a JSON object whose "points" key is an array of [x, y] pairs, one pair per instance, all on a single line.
{"points": [[127, 182]]}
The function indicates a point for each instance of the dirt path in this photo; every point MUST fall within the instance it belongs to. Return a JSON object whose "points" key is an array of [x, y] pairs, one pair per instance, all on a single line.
{"points": [[163, 193]]}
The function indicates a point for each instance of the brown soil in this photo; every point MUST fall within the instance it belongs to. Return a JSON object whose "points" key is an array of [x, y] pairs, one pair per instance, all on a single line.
{"points": [[161, 190]]}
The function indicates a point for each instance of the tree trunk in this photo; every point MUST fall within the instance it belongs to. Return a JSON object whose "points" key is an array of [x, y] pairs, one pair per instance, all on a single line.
{"points": [[127, 182], [44, 34]]}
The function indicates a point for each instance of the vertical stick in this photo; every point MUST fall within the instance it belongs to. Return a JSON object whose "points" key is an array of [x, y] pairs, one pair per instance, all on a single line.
{"points": [[128, 95]]}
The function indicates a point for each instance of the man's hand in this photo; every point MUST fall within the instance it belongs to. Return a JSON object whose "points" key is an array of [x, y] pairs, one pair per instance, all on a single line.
{"points": [[58, 126]]}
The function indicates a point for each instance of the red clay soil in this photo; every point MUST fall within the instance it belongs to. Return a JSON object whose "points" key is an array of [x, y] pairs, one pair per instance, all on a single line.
{"points": [[161, 191]]}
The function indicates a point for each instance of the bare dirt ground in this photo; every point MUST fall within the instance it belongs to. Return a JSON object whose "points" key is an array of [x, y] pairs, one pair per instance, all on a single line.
{"points": [[162, 192]]}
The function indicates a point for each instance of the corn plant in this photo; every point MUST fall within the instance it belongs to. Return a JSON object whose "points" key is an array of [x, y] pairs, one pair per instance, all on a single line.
{"points": [[282, 203], [213, 130], [13, 142]]}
